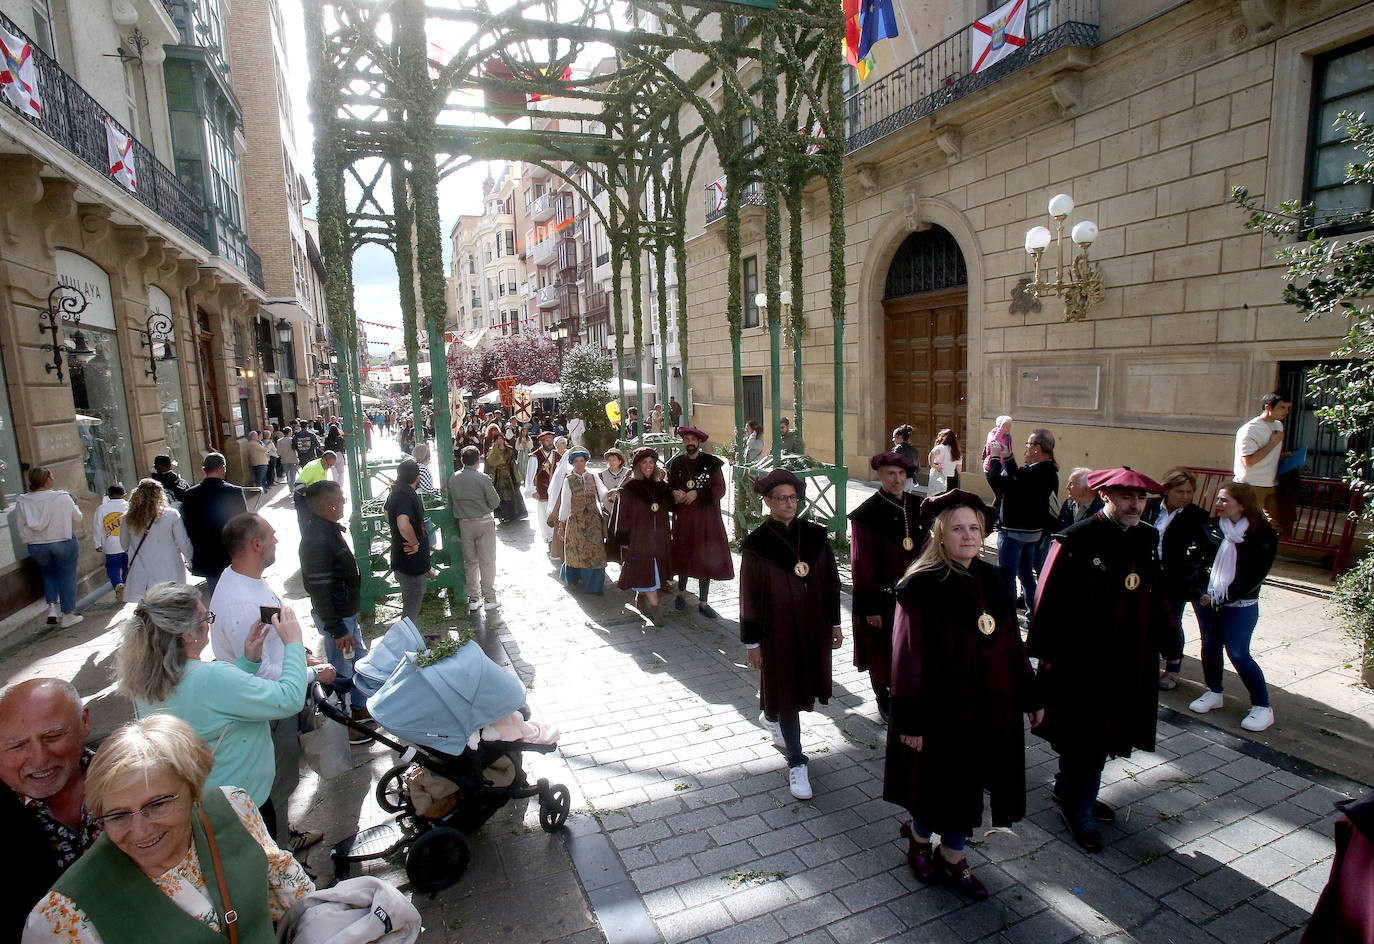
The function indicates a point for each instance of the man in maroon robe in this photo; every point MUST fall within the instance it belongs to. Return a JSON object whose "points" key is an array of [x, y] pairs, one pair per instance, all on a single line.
{"points": [[1101, 621], [789, 615], [885, 538], [700, 547]]}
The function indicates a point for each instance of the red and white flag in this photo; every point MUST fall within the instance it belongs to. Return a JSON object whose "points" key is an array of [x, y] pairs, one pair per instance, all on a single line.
{"points": [[121, 150], [998, 35], [718, 193], [18, 77]]}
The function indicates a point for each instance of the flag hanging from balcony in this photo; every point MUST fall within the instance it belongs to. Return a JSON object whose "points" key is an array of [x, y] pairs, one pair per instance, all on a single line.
{"points": [[18, 76], [877, 23], [853, 30], [718, 195], [121, 149], [998, 35]]}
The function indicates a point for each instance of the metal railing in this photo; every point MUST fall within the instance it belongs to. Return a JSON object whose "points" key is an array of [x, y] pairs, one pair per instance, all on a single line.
{"points": [[75, 120], [1325, 515], [943, 73], [253, 266], [752, 196], [603, 258]]}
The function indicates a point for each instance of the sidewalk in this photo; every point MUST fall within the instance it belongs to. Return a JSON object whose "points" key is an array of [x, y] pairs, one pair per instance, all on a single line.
{"points": [[683, 829]]}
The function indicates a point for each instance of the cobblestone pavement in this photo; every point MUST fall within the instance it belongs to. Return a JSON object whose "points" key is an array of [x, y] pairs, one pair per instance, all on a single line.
{"points": [[683, 828]]}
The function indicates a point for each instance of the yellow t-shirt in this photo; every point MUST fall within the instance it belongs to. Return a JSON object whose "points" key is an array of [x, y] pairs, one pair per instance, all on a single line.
{"points": [[312, 472]]}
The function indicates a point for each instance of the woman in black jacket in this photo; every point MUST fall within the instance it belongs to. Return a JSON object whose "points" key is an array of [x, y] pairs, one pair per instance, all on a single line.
{"points": [[1178, 522], [1232, 555]]}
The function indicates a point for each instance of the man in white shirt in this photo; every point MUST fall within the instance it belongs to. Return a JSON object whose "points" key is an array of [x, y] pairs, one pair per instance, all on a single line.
{"points": [[577, 428], [1259, 447], [237, 605]]}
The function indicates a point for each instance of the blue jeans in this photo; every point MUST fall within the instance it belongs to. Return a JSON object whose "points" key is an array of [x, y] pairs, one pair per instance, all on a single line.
{"points": [[1018, 559], [57, 561], [791, 737], [1231, 628], [260, 476], [954, 842], [343, 683], [211, 582], [117, 568], [1078, 781], [291, 469]]}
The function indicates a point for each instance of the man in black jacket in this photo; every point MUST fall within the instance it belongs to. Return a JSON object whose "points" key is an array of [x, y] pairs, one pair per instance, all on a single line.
{"points": [[205, 511], [331, 577], [175, 486], [1029, 497], [43, 816]]}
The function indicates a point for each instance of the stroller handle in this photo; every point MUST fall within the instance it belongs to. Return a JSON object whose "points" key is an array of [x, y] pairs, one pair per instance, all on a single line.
{"points": [[330, 710]]}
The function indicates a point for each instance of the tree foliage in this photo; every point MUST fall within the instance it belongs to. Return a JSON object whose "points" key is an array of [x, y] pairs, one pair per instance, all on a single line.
{"points": [[585, 379], [530, 359], [1334, 276]]}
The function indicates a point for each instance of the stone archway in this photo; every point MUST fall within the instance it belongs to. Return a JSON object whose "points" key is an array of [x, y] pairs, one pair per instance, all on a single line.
{"points": [[925, 326]]}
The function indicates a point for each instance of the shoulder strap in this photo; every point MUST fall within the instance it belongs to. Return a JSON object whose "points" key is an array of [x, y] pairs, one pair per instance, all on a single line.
{"points": [[231, 917], [140, 545]]}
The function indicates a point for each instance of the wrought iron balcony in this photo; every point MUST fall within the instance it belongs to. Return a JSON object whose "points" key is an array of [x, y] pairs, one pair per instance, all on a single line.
{"points": [[547, 297], [943, 73], [715, 198], [75, 120], [253, 266]]}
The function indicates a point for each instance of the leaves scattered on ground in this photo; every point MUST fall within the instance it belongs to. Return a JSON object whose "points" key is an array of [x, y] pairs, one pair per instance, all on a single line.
{"points": [[752, 877]]}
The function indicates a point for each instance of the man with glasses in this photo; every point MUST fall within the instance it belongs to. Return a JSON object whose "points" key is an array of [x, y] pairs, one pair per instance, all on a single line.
{"points": [[43, 817], [1028, 499]]}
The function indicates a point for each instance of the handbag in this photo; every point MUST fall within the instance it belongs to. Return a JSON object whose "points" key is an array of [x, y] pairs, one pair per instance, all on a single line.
{"points": [[231, 917], [325, 748]]}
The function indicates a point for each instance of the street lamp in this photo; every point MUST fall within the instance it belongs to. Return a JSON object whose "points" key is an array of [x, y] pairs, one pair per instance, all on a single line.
{"points": [[1081, 285], [559, 333], [158, 329], [62, 301]]}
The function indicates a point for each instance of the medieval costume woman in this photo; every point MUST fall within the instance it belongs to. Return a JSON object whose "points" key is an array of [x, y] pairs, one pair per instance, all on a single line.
{"points": [[579, 508], [643, 531]]}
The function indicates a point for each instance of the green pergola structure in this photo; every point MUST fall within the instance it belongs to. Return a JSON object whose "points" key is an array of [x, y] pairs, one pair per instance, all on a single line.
{"points": [[395, 91]]}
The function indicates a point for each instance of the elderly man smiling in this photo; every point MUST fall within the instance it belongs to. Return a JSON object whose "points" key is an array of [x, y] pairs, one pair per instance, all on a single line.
{"points": [[43, 758]]}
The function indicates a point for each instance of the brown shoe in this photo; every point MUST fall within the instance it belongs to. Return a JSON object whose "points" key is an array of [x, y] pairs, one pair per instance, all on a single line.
{"points": [[918, 856]]}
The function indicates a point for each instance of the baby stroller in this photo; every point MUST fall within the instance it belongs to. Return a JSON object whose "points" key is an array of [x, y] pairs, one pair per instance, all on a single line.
{"points": [[430, 714]]}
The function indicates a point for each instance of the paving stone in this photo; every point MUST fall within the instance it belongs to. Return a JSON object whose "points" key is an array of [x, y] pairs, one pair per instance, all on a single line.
{"points": [[694, 922], [1246, 923], [867, 927]]}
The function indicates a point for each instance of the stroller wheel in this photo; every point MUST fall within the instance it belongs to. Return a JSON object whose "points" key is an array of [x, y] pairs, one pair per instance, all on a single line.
{"points": [[553, 812], [437, 859], [391, 790]]}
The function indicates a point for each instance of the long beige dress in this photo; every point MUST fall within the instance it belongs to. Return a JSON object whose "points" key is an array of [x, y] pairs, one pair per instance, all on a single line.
{"points": [[581, 512]]}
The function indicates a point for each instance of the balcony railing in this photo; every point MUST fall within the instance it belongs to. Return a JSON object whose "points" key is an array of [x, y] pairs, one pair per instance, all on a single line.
{"points": [[603, 258], [942, 74], [253, 266], [715, 200], [547, 297], [75, 120]]}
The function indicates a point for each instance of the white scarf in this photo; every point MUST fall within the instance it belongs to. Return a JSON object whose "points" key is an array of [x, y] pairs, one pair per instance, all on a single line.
{"points": [[1224, 567]]}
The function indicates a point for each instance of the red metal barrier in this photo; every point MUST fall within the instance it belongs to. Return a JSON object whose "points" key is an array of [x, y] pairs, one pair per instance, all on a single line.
{"points": [[1327, 514]]}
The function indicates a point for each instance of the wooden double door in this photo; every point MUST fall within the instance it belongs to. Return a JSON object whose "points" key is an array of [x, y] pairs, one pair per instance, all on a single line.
{"points": [[926, 365]]}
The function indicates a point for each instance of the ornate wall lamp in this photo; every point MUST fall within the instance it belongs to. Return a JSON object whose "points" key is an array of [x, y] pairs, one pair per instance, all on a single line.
{"points": [[1081, 285], [158, 330], [64, 302]]}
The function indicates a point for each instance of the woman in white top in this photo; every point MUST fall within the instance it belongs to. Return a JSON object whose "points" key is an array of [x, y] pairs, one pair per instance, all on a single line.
{"points": [[753, 442], [46, 519], [946, 461], [155, 540]]}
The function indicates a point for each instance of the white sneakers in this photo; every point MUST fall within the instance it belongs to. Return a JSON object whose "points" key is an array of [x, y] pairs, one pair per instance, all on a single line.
{"points": [[474, 605], [492, 604], [775, 729], [799, 782], [1258, 719], [1206, 702], [71, 619], [54, 614]]}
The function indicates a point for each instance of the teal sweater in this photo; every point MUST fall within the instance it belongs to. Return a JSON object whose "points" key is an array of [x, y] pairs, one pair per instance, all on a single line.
{"points": [[230, 707]]}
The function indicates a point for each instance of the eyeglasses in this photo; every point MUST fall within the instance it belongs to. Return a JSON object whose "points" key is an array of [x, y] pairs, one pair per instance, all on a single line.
{"points": [[154, 811], [785, 499], [207, 619]]}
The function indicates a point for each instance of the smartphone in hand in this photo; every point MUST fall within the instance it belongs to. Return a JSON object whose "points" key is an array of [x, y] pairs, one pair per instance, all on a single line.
{"points": [[265, 613]]}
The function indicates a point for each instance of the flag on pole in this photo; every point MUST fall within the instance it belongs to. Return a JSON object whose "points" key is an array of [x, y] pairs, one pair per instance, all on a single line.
{"points": [[121, 150], [718, 192], [878, 23], [998, 35], [18, 77]]}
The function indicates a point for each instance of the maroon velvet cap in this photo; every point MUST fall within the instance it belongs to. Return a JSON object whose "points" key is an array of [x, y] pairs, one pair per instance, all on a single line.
{"points": [[765, 485], [1124, 477], [643, 451], [955, 498], [893, 458], [692, 431]]}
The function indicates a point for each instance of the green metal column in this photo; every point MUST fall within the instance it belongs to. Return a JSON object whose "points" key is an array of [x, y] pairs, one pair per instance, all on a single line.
{"points": [[834, 154], [772, 197]]}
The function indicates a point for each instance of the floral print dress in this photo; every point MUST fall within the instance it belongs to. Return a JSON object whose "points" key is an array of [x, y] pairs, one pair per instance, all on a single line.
{"points": [[57, 920]]}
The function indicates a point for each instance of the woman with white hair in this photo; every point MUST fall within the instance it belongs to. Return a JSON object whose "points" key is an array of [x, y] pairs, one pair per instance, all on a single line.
{"points": [[176, 862]]}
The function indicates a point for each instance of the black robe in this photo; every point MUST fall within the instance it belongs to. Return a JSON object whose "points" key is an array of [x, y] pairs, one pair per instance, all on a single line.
{"points": [[964, 694], [1101, 640], [700, 545], [878, 560], [790, 617], [643, 536]]}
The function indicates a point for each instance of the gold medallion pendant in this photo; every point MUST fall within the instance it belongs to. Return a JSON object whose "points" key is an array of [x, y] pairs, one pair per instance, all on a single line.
{"points": [[1132, 581], [654, 507], [986, 624], [802, 569], [907, 543]]}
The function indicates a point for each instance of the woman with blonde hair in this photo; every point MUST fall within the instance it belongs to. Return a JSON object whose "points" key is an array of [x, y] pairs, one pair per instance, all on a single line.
{"points": [[945, 462], [1178, 522], [158, 665], [425, 483], [960, 682], [175, 861], [154, 537]]}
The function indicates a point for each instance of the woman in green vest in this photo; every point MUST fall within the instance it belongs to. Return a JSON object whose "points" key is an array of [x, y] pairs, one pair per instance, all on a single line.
{"points": [[174, 859]]}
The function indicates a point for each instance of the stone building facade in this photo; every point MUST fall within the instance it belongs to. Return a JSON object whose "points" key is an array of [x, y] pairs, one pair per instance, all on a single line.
{"points": [[1147, 114]]}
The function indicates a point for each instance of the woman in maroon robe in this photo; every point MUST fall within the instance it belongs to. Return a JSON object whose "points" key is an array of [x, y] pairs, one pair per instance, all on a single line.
{"points": [[960, 681], [643, 532], [789, 615]]}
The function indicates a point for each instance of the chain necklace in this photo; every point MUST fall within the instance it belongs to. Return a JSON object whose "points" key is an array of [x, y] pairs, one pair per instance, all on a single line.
{"points": [[802, 568], [907, 543], [986, 622]]}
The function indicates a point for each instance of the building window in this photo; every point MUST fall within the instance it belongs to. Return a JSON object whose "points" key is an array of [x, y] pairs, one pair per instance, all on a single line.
{"points": [[1342, 81], [746, 131], [750, 273], [42, 27]]}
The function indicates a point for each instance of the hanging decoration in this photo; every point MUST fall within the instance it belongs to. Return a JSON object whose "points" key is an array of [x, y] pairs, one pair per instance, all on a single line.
{"points": [[121, 151], [998, 35], [18, 77]]}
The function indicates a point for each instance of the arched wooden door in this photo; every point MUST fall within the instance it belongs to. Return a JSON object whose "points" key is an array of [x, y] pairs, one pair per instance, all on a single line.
{"points": [[925, 311]]}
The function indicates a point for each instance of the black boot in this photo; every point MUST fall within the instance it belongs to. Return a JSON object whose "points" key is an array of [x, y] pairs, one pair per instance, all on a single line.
{"points": [[884, 695]]}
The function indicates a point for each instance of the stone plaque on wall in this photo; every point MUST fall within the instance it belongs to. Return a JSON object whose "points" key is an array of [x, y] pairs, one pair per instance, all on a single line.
{"points": [[1203, 388], [1059, 387]]}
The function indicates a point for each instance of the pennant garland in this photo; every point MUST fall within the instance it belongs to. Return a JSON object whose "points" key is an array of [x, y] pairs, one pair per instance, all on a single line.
{"points": [[121, 152], [998, 35], [18, 76]]}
